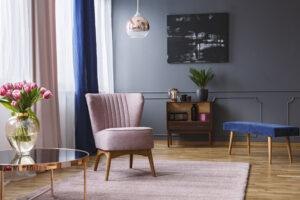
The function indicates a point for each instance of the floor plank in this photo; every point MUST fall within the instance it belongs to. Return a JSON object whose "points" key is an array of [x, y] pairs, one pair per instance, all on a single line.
{"points": [[277, 181]]}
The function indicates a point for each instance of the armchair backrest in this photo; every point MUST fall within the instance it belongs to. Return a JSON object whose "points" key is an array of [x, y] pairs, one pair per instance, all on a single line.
{"points": [[115, 110]]}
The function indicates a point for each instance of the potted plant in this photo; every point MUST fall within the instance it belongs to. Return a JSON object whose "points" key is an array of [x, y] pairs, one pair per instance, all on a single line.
{"points": [[22, 129], [201, 78]]}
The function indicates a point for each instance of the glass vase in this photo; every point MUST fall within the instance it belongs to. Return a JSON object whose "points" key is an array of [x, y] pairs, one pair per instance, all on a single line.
{"points": [[21, 133]]}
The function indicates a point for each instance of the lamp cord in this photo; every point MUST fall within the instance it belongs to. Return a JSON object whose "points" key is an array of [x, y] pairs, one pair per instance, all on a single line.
{"points": [[137, 7]]}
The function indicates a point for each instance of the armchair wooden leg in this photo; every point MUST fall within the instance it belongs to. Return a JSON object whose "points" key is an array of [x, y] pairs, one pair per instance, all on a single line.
{"points": [[270, 149], [108, 157], [230, 142], [97, 159], [289, 148], [131, 161], [151, 162], [248, 143]]}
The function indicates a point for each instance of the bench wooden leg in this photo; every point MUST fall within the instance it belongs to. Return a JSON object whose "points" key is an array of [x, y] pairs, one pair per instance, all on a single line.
{"points": [[270, 149], [289, 147], [248, 143], [230, 142]]}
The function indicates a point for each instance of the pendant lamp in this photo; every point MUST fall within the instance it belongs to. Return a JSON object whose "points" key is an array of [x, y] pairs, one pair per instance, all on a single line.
{"points": [[137, 26]]}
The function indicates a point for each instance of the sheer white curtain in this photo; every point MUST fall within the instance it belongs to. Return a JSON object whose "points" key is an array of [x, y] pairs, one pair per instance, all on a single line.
{"points": [[103, 23], [15, 49], [15, 37], [15, 57], [65, 71]]}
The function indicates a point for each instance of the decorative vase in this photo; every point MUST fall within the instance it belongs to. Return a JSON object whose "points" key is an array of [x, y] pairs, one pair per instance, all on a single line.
{"points": [[194, 112], [21, 133], [202, 94]]}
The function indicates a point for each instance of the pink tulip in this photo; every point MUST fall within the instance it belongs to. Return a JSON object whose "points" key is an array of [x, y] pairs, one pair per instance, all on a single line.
{"points": [[2, 91], [8, 94], [7, 86], [27, 88], [16, 94], [33, 85], [18, 86], [14, 103], [24, 82], [43, 90], [47, 94]]}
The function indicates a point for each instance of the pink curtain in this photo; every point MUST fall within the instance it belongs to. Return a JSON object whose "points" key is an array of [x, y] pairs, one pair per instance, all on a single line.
{"points": [[45, 70]]}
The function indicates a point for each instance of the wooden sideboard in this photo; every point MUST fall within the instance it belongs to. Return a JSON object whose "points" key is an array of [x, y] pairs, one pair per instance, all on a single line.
{"points": [[183, 124]]}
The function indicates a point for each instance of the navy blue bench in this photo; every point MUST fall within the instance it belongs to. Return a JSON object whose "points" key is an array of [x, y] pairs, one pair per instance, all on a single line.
{"points": [[269, 130]]}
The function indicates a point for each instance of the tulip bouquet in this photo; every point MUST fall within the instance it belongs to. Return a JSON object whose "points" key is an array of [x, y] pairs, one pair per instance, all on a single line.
{"points": [[19, 98]]}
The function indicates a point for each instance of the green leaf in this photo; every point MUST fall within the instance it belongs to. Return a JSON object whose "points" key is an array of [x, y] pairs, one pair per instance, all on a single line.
{"points": [[6, 104], [33, 115], [202, 77]]}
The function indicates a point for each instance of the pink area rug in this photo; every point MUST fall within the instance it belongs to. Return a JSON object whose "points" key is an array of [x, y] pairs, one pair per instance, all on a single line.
{"points": [[175, 180]]}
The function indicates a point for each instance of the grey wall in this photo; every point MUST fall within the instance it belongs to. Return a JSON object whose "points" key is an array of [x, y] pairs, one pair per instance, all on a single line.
{"points": [[259, 83]]}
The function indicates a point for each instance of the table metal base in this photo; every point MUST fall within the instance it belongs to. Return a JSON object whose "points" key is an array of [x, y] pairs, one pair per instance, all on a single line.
{"points": [[47, 190]]}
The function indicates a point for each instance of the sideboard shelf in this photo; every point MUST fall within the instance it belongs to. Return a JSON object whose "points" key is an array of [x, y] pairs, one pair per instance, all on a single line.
{"points": [[188, 126]]}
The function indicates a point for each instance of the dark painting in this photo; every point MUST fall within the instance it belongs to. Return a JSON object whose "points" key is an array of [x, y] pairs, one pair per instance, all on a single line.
{"points": [[198, 38]]}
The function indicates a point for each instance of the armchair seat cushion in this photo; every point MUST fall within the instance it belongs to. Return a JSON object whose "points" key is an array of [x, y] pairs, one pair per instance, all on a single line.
{"points": [[125, 138]]}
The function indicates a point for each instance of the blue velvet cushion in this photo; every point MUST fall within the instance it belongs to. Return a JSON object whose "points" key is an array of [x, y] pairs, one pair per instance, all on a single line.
{"points": [[274, 130]]}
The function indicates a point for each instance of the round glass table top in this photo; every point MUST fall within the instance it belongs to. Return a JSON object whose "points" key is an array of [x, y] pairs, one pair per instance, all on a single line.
{"points": [[42, 159]]}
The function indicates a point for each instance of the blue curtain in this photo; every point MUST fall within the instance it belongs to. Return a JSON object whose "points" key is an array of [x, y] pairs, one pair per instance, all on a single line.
{"points": [[85, 67]]}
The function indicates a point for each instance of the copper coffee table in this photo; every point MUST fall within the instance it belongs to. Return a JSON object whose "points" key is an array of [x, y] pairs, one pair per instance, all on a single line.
{"points": [[41, 160]]}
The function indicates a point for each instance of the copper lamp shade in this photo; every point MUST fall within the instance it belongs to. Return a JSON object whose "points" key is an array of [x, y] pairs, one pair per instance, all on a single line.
{"points": [[137, 26]]}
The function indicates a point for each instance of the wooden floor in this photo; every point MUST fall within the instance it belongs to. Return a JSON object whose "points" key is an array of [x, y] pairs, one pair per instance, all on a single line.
{"points": [[280, 180]]}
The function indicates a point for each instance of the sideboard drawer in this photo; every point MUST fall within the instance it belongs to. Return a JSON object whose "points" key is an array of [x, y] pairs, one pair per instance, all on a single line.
{"points": [[178, 126], [189, 128]]}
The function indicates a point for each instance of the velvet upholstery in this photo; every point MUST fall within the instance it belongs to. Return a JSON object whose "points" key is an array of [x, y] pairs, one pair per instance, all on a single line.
{"points": [[273, 130], [126, 138], [115, 110], [115, 119]]}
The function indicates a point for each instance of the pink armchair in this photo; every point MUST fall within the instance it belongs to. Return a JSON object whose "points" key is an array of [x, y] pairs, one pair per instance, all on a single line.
{"points": [[115, 120]]}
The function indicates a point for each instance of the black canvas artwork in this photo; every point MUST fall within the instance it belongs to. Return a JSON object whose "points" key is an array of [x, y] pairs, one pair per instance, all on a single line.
{"points": [[198, 38]]}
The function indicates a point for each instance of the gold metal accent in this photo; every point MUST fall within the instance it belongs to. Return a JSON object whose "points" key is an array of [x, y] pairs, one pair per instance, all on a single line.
{"points": [[25, 114], [84, 181], [137, 23], [2, 185], [52, 193], [137, 26], [45, 166], [173, 94]]}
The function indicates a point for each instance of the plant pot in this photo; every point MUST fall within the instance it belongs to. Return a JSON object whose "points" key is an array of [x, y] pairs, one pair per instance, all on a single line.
{"points": [[202, 94], [21, 133]]}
